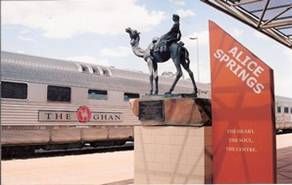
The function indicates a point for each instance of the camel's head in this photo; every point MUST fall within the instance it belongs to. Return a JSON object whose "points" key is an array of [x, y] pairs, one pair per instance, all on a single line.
{"points": [[134, 35]]}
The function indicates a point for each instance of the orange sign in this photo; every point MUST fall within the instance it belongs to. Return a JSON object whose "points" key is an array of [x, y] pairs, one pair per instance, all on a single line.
{"points": [[242, 112]]}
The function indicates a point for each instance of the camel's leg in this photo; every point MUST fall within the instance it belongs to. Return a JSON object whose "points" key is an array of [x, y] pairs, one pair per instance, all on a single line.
{"points": [[151, 84], [193, 80], [150, 67], [187, 68], [178, 75], [155, 74]]}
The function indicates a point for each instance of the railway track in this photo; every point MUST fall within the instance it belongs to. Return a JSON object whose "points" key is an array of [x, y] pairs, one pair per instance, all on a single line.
{"points": [[38, 153]]}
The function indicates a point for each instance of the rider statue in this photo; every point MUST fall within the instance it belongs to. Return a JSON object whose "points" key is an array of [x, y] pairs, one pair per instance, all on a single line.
{"points": [[173, 35], [160, 50]]}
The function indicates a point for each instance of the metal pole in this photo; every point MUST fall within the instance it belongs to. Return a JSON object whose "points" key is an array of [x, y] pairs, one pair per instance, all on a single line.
{"points": [[198, 61]]}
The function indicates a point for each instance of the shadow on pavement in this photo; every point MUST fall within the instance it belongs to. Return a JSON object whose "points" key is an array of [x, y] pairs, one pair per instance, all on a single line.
{"points": [[284, 165]]}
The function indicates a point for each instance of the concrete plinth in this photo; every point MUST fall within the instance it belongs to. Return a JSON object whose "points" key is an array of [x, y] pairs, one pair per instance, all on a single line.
{"points": [[176, 150], [172, 155], [179, 111]]}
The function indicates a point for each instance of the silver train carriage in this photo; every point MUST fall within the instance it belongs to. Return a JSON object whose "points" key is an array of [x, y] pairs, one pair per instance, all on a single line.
{"points": [[283, 109], [49, 102]]}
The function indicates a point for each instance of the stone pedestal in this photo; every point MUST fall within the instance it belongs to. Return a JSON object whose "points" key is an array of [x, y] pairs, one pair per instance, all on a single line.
{"points": [[172, 155], [178, 149]]}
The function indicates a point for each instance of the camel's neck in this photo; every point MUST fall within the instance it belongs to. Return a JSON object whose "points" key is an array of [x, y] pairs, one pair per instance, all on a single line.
{"points": [[139, 52]]}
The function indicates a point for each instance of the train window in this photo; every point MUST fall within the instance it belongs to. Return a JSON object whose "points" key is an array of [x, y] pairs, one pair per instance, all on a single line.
{"points": [[95, 71], [84, 68], [57, 93], [279, 109], [106, 72], [97, 94], [286, 110], [13, 90], [128, 96]]}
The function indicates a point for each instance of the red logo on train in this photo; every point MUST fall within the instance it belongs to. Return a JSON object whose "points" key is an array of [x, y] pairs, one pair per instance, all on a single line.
{"points": [[83, 114]]}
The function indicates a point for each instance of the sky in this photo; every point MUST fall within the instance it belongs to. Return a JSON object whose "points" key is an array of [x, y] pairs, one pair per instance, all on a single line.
{"points": [[93, 31]]}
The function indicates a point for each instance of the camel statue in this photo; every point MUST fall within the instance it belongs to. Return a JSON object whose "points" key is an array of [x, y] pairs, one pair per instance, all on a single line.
{"points": [[176, 51]]}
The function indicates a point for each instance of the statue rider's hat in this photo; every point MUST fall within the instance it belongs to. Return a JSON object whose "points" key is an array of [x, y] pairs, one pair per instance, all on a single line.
{"points": [[175, 17]]}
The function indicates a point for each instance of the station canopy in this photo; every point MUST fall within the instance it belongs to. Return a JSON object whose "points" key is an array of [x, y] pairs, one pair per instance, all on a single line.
{"points": [[271, 17]]}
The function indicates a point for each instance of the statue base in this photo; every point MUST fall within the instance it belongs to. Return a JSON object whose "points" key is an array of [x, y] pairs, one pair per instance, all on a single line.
{"points": [[173, 155], [159, 110], [173, 143], [178, 95]]}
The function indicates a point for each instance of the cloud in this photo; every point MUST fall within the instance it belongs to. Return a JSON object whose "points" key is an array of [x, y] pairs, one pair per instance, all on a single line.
{"points": [[178, 2], [65, 19], [24, 31], [20, 51], [117, 52], [261, 36], [237, 32], [202, 36], [87, 59], [185, 13], [25, 35], [25, 38], [281, 62], [288, 53]]}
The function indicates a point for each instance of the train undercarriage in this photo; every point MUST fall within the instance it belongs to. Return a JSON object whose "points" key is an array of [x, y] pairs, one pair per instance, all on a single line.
{"points": [[21, 142]]}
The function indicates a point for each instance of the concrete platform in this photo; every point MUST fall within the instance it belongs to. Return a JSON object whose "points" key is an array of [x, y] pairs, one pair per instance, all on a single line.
{"points": [[105, 168], [284, 165], [284, 159], [90, 169]]}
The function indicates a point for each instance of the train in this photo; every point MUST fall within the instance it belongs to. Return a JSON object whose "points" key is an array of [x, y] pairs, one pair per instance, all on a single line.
{"points": [[283, 110], [49, 103]]}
